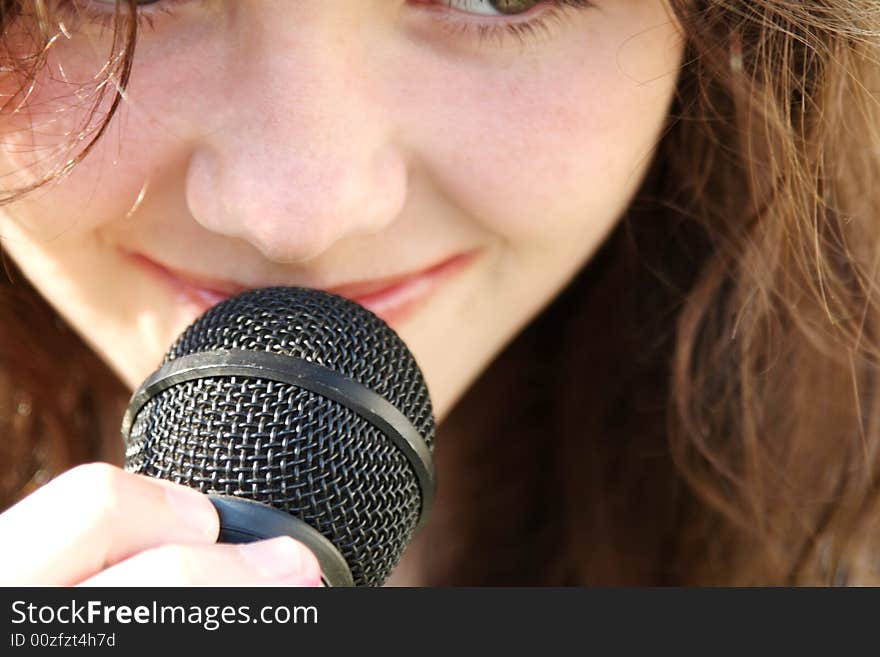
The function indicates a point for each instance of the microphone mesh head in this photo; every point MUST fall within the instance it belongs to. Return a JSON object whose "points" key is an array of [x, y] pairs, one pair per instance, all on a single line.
{"points": [[286, 446]]}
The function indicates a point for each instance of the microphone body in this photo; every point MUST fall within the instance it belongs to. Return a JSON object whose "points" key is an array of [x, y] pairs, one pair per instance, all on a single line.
{"points": [[300, 413]]}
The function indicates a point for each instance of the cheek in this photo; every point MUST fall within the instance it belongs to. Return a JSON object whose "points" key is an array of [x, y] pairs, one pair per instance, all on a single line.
{"points": [[140, 153], [107, 185], [558, 144]]}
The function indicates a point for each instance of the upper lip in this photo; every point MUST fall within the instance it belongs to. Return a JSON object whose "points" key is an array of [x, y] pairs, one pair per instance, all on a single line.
{"points": [[350, 289]]}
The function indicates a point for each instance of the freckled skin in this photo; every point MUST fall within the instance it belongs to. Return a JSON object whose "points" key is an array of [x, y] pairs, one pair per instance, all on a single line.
{"points": [[326, 142]]}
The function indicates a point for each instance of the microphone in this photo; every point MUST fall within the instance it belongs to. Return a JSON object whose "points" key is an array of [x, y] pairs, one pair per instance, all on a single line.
{"points": [[300, 413]]}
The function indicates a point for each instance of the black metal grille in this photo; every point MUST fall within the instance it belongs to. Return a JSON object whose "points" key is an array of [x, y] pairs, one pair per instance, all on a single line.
{"points": [[284, 445]]}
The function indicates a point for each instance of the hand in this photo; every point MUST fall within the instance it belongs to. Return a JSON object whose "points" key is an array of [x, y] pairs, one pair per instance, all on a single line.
{"points": [[99, 525]]}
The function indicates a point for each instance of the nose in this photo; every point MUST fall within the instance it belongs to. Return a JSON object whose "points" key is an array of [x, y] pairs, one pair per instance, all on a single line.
{"points": [[299, 153]]}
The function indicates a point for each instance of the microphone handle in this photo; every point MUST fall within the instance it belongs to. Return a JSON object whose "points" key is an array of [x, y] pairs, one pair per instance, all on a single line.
{"points": [[245, 521]]}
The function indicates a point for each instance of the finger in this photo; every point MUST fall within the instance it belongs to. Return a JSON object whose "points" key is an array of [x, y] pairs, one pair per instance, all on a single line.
{"points": [[94, 516], [274, 562]]}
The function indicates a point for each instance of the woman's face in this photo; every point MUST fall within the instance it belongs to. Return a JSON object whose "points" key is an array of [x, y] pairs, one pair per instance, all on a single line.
{"points": [[445, 163]]}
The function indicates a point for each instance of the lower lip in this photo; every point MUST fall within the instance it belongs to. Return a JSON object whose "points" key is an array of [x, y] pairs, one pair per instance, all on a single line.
{"points": [[395, 304]]}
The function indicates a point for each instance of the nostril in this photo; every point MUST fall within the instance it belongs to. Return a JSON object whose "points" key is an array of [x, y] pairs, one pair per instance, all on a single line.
{"points": [[297, 209], [290, 241]]}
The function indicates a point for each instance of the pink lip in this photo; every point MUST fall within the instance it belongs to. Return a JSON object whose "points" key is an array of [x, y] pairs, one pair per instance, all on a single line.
{"points": [[394, 298]]}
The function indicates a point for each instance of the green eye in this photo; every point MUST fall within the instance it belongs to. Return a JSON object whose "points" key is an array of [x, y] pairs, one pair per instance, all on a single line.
{"points": [[494, 7], [513, 6]]}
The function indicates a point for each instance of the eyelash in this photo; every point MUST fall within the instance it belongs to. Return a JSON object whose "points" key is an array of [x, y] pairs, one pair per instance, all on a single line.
{"points": [[91, 12], [522, 26], [496, 29]]}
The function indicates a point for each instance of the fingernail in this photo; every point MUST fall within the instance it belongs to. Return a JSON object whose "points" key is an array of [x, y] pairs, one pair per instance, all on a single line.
{"points": [[275, 558], [196, 511]]}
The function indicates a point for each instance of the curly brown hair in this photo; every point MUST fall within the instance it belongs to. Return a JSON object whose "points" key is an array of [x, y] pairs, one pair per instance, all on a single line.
{"points": [[716, 425]]}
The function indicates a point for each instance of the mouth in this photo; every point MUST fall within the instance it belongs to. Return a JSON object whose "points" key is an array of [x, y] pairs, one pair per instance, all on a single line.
{"points": [[395, 299]]}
